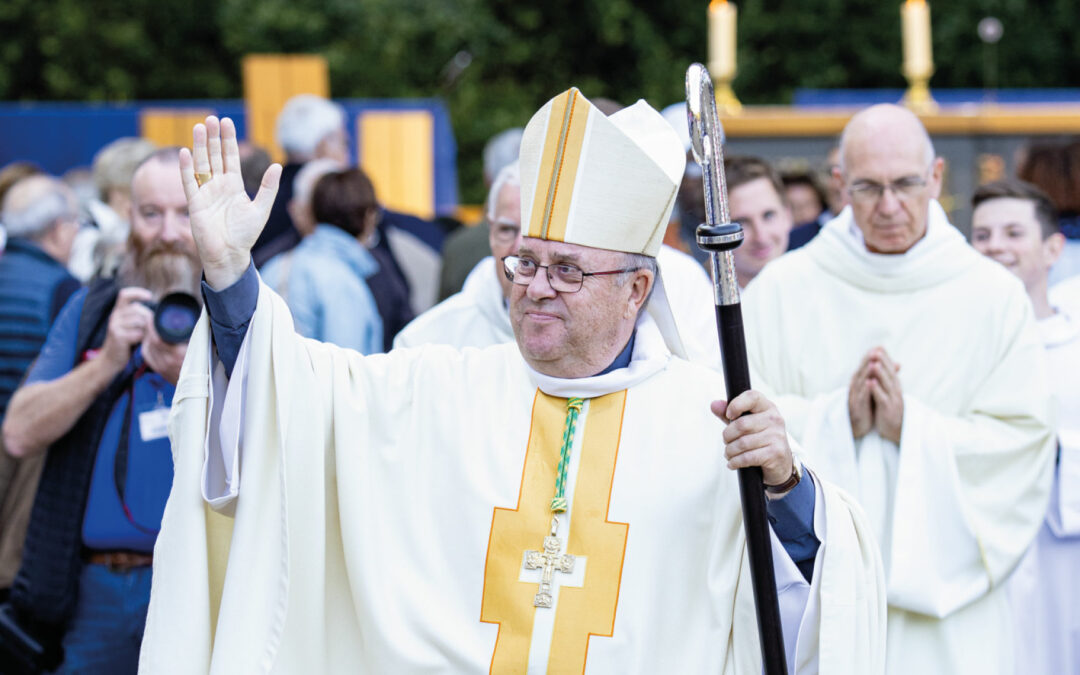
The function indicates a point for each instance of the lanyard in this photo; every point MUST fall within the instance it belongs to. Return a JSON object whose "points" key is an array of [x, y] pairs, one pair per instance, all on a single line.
{"points": [[120, 463]]}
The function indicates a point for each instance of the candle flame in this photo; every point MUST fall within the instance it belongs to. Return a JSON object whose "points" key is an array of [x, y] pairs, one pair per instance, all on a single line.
{"points": [[716, 3], [914, 2]]}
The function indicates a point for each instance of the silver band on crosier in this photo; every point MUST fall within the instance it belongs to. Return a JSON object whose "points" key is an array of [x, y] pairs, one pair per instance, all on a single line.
{"points": [[725, 281], [732, 239]]}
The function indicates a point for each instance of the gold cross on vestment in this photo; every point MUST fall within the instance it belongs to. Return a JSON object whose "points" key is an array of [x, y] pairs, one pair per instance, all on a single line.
{"points": [[550, 561]]}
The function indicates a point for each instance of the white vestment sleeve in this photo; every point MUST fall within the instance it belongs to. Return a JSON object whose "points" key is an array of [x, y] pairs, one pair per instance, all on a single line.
{"points": [[837, 622], [914, 499], [945, 536], [796, 610], [935, 557], [224, 435], [847, 579]]}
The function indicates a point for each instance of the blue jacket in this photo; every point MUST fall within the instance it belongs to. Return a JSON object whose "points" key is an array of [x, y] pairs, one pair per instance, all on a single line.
{"points": [[323, 280], [33, 289]]}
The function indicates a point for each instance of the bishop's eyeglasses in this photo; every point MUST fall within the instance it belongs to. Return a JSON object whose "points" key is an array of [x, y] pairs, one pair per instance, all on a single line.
{"points": [[564, 277]]}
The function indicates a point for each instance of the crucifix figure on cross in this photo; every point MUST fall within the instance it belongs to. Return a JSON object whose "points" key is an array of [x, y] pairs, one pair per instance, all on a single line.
{"points": [[550, 561]]}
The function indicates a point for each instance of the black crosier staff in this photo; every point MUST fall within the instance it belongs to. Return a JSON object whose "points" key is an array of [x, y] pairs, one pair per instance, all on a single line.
{"points": [[720, 237]]}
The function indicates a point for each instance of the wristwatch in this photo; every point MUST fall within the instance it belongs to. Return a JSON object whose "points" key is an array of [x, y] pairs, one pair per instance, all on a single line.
{"points": [[789, 484]]}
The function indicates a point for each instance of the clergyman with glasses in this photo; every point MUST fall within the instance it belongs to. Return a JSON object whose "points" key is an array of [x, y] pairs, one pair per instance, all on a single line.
{"points": [[911, 372], [479, 314], [561, 504]]}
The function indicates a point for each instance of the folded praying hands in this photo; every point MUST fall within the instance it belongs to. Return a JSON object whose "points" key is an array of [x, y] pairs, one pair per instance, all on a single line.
{"points": [[224, 221], [875, 397]]}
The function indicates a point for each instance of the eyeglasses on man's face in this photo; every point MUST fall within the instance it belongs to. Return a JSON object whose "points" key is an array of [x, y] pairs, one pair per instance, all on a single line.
{"points": [[564, 277], [868, 192]]}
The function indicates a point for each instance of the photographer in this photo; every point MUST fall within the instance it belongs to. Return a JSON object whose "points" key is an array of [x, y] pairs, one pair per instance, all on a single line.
{"points": [[97, 399]]}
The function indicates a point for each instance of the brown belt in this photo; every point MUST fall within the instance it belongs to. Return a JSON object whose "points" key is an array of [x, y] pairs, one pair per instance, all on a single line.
{"points": [[120, 561]]}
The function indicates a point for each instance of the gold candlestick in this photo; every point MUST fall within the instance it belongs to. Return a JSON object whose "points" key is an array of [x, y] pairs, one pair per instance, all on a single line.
{"points": [[723, 17], [918, 55]]}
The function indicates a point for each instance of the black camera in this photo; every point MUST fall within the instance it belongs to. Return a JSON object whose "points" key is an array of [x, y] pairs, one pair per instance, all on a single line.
{"points": [[175, 316]]}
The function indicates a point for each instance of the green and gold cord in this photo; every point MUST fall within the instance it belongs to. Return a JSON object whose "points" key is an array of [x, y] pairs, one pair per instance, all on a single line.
{"points": [[573, 409]]}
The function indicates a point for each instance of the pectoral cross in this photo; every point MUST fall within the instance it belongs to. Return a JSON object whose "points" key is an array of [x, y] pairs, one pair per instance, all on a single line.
{"points": [[550, 561]]}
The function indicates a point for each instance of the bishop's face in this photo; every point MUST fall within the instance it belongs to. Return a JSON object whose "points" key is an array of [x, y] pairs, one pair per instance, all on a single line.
{"points": [[575, 334]]}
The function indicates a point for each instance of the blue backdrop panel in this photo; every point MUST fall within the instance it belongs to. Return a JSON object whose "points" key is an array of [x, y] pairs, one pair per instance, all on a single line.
{"points": [[61, 136]]}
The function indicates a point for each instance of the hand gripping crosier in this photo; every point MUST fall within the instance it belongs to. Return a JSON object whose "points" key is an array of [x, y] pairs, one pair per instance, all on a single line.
{"points": [[720, 237]]}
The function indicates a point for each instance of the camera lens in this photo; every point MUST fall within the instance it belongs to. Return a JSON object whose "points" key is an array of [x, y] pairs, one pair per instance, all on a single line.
{"points": [[175, 317]]}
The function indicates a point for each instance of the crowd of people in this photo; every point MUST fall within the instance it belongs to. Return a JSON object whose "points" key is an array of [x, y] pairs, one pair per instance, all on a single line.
{"points": [[403, 398]]}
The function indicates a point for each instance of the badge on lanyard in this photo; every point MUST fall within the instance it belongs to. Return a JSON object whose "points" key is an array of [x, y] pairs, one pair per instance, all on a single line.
{"points": [[154, 423]]}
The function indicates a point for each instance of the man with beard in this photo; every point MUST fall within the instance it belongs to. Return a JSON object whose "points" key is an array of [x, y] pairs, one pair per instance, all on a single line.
{"points": [[97, 399]]}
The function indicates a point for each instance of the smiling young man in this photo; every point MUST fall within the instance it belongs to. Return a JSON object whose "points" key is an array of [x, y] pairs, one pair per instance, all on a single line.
{"points": [[910, 369], [756, 201], [561, 504], [1016, 224]]}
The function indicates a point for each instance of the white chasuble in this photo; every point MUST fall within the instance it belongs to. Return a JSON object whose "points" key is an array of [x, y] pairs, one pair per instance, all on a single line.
{"points": [[1045, 587], [956, 504], [383, 510]]}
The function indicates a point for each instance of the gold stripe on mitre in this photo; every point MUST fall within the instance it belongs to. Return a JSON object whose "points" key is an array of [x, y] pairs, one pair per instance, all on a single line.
{"points": [[599, 181], [565, 134]]}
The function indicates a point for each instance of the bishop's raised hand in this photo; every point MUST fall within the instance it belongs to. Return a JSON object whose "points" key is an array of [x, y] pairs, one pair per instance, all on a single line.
{"points": [[224, 221]]}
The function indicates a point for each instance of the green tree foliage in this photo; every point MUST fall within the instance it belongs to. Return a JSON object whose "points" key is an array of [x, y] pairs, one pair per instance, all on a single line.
{"points": [[523, 53]]}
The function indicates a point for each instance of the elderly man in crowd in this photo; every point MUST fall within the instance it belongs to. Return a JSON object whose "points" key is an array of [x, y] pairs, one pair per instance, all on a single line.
{"points": [[96, 403], [549, 504], [41, 216], [1016, 224], [910, 369]]}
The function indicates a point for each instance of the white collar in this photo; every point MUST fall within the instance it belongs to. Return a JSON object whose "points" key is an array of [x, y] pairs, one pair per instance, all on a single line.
{"points": [[935, 213], [941, 254]]}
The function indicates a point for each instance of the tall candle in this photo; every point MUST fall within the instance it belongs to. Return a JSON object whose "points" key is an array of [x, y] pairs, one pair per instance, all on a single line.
{"points": [[722, 20], [915, 21]]}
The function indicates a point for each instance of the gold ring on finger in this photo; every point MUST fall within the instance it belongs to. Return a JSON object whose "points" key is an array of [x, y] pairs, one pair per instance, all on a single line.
{"points": [[202, 178]]}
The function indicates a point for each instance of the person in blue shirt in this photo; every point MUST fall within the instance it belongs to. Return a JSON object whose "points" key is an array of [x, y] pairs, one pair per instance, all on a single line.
{"points": [[41, 217], [324, 279], [97, 400]]}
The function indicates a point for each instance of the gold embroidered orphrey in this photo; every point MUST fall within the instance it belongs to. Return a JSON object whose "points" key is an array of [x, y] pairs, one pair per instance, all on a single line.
{"points": [[584, 612]]}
